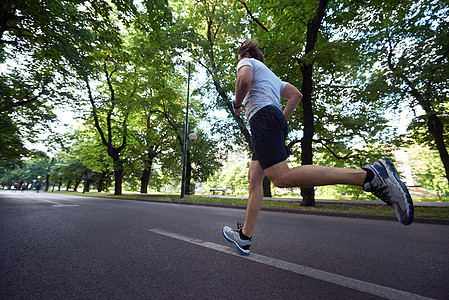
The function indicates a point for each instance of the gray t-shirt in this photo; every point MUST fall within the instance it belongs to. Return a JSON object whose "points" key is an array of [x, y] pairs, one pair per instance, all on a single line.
{"points": [[265, 89]]}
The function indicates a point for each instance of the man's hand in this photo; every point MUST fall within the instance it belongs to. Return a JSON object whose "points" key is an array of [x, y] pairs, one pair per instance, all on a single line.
{"points": [[238, 111]]}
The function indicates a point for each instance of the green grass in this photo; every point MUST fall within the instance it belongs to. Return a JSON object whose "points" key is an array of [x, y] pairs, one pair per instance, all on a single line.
{"points": [[431, 199], [424, 212]]}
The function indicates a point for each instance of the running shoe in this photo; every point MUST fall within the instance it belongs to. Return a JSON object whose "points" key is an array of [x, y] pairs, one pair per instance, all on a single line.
{"points": [[233, 236], [387, 186]]}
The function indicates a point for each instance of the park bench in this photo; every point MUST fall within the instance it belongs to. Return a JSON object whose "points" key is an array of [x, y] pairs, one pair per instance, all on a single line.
{"points": [[218, 190]]}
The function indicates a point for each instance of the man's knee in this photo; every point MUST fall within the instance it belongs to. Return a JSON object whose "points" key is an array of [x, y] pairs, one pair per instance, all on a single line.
{"points": [[255, 179], [255, 174], [278, 174], [277, 180]]}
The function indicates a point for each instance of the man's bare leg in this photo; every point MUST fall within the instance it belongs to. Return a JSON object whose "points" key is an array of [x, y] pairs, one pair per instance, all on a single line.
{"points": [[255, 178], [311, 175], [283, 176]]}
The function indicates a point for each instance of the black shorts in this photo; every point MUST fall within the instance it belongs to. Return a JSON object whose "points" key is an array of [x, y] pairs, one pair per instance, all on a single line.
{"points": [[269, 130]]}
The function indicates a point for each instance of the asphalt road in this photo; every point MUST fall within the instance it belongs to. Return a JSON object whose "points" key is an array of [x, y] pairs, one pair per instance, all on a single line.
{"points": [[70, 247]]}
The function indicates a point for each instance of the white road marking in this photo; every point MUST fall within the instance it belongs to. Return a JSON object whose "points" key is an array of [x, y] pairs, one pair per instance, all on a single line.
{"points": [[59, 204], [355, 284]]}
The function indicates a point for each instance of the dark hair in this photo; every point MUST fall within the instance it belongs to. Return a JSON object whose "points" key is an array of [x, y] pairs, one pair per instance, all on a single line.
{"points": [[252, 47]]}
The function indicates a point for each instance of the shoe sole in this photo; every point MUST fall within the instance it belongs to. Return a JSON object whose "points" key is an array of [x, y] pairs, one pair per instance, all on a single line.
{"points": [[239, 249], [391, 170]]}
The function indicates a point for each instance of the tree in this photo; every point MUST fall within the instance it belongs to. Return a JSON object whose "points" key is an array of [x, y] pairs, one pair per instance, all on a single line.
{"points": [[152, 139], [111, 132], [348, 113], [300, 51], [123, 66], [32, 170], [313, 27], [409, 42], [216, 32], [84, 145], [152, 40], [42, 42], [68, 168], [429, 170], [152, 136], [10, 143], [141, 89], [201, 154], [27, 99]]}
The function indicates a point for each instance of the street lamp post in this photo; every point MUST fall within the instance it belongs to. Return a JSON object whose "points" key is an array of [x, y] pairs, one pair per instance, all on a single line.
{"points": [[186, 130]]}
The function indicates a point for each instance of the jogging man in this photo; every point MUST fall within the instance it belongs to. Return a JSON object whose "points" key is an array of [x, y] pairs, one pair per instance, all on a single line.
{"points": [[260, 91]]}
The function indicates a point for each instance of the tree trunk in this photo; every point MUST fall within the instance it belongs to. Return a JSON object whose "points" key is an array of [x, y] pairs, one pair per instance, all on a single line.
{"points": [[118, 179], [87, 187], [47, 182], [77, 183], [266, 187], [145, 180], [100, 186], [436, 128], [47, 179], [146, 173], [118, 170], [313, 27], [308, 197]]}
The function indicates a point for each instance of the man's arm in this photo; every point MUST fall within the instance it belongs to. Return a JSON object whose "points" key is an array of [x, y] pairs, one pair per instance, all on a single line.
{"points": [[244, 79], [294, 96]]}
